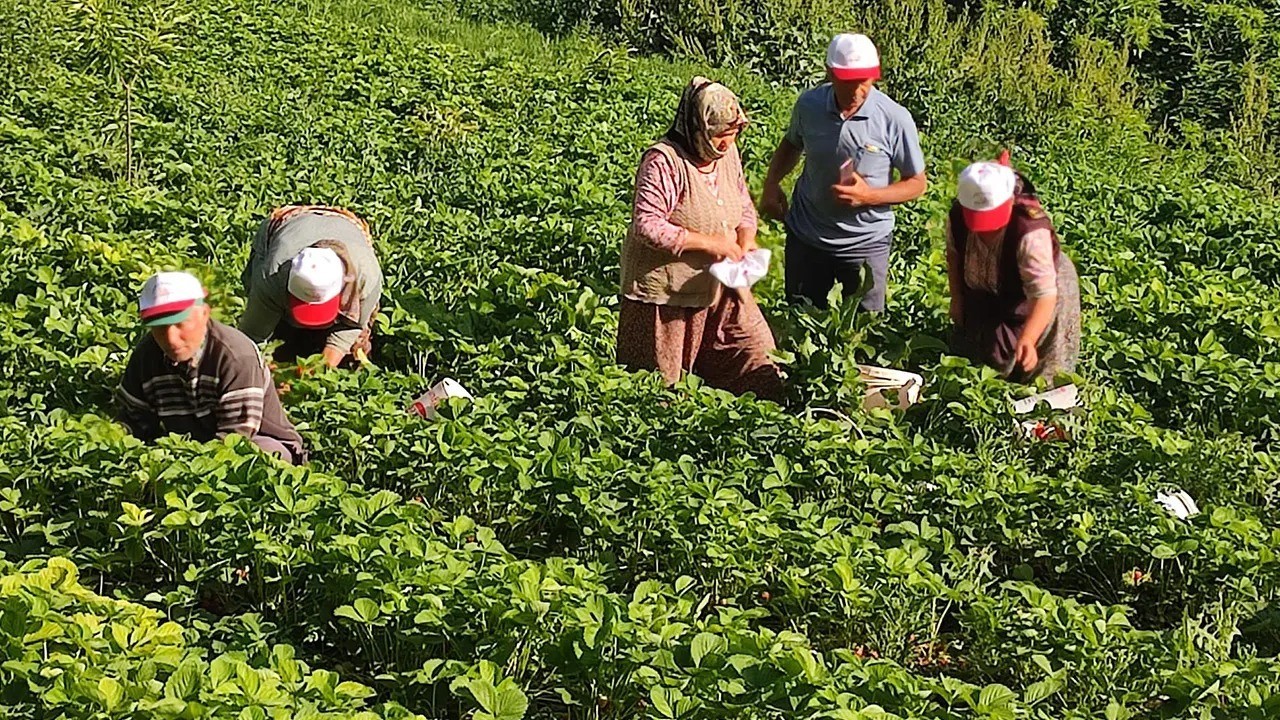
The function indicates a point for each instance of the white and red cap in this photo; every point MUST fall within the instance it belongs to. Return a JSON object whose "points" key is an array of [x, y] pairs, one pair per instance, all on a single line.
{"points": [[985, 192], [168, 297], [315, 287], [853, 57]]}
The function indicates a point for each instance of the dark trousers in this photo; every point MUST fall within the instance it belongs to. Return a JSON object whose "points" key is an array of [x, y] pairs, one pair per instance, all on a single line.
{"points": [[299, 342], [811, 273]]}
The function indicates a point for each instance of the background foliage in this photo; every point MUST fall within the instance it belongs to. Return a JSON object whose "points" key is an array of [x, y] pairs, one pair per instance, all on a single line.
{"points": [[1199, 73]]}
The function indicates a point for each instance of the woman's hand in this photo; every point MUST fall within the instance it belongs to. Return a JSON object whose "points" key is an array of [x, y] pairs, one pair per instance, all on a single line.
{"points": [[721, 247], [729, 249], [1025, 354], [957, 310]]}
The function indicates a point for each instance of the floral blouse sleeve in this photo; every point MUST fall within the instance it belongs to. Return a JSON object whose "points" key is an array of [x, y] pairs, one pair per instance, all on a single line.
{"points": [[1035, 265], [658, 190]]}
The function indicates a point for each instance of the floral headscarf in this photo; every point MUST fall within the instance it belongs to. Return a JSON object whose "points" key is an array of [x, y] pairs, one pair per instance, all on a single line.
{"points": [[706, 109]]}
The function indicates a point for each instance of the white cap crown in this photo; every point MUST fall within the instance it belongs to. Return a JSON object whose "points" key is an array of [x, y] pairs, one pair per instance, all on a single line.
{"points": [[316, 275], [985, 186], [850, 51], [167, 291]]}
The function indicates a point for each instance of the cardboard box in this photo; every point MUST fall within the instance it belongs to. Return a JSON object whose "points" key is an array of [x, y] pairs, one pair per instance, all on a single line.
{"points": [[1063, 398], [882, 382]]}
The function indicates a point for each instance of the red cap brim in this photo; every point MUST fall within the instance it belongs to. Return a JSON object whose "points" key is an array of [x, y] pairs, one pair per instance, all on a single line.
{"points": [[870, 73], [313, 315], [988, 220], [166, 309]]}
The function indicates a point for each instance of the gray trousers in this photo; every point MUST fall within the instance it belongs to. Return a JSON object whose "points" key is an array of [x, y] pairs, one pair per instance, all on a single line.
{"points": [[272, 446]]}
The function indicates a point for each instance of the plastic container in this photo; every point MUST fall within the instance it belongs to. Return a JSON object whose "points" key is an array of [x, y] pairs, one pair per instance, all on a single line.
{"points": [[1041, 430], [1066, 398], [1179, 504], [425, 406], [1063, 398]]}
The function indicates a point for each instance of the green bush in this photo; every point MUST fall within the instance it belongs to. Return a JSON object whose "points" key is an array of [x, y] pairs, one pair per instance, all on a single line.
{"points": [[74, 654], [1195, 73]]}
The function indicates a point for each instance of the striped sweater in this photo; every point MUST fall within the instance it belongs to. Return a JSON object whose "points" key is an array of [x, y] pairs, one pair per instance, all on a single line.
{"points": [[225, 389]]}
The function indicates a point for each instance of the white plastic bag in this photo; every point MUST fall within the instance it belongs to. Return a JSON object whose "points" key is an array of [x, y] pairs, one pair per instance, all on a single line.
{"points": [[742, 273], [425, 406]]}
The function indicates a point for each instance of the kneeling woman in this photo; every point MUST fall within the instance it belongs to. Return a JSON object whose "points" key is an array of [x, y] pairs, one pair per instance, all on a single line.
{"points": [[692, 209], [1015, 296]]}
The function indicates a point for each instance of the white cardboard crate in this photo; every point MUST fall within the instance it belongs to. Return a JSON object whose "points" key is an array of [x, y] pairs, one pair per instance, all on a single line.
{"points": [[1066, 397], [881, 380]]}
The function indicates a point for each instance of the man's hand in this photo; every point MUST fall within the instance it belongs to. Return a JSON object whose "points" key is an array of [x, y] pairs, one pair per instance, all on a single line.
{"points": [[773, 202], [957, 310], [1025, 355], [856, 193]]}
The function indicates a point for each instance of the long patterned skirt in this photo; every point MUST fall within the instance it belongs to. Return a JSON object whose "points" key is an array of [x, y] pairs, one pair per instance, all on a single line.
{"points": [[727, 344]]}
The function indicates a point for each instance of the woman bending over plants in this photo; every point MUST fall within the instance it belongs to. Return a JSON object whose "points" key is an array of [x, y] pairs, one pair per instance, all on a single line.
{"points": [[314, 282], [1015, 296], [692, 209]]}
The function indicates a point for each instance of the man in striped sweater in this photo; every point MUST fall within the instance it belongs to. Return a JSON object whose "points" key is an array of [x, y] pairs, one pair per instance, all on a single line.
{"points": [[194, 376]]}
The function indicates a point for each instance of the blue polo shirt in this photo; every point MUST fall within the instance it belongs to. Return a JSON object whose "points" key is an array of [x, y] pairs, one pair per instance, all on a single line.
{"points": [[880, 137]]}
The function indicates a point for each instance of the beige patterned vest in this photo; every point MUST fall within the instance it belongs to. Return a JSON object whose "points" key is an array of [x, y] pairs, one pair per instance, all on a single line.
{"points": [[656, 276]]}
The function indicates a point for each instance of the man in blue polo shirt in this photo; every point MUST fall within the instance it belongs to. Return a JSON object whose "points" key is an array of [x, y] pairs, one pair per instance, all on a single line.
{"points": [[841, 214]]}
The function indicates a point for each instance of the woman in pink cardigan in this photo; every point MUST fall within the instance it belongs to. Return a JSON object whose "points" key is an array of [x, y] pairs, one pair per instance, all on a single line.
{"points": [[692, 209]]}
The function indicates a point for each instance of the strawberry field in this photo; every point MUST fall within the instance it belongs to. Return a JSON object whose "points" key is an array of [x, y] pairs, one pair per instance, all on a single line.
{"points": [[581, 541]]}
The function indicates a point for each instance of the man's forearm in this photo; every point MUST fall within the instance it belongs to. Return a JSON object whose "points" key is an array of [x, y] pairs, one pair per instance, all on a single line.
{"points": [[784, 160], [903, 191]]}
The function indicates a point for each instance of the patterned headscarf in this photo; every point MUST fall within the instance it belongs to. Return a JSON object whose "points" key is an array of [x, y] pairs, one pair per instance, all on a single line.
{"points": [[706, 109]]}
